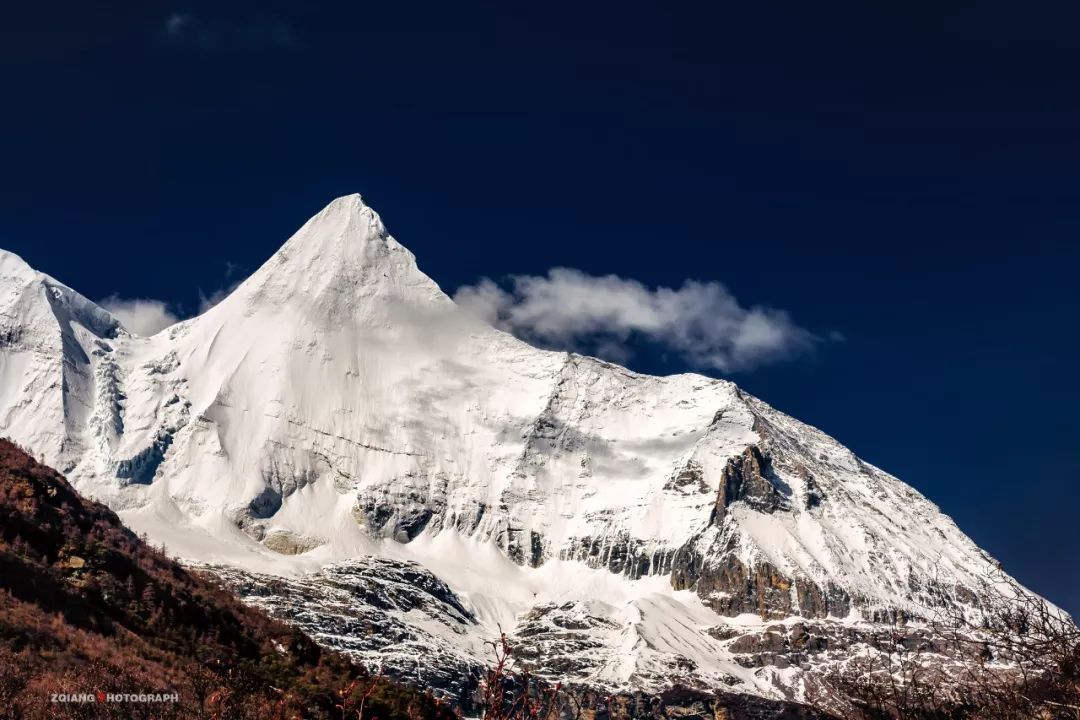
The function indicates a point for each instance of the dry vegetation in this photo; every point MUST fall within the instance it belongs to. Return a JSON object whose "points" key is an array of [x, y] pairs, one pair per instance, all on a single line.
{"points": [[1020, 662], [510, 693]]}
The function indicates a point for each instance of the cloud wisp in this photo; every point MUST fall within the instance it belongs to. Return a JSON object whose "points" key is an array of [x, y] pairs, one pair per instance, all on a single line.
{"points": [[184, 30], [141, 316], [701, 322]]}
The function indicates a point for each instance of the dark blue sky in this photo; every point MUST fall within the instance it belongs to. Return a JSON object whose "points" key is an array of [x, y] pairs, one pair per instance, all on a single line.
{"points": [[905, 174]]}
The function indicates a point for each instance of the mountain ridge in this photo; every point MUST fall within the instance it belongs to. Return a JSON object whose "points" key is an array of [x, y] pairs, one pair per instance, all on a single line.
{"points": [[337, 405]]}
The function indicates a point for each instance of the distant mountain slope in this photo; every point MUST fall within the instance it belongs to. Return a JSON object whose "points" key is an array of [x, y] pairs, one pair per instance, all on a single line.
{"points": [[86, 607]]}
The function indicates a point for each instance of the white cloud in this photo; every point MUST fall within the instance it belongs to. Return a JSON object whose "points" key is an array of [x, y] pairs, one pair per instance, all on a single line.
{"points": [[140, 315], [702, 322]]}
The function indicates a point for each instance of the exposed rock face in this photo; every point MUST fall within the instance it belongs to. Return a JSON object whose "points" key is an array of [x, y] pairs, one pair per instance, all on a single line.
{"points": [[727, 583], [785, 645], [824, 645], [401, 512], [562, 639], [730, 587], [743, 478], [689, 479], [363, 609], [622, 554], [287, 543]]}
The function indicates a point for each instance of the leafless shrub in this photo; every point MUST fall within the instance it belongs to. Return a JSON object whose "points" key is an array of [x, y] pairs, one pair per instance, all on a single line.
{"points": [[1016, 658], [511, 693]]}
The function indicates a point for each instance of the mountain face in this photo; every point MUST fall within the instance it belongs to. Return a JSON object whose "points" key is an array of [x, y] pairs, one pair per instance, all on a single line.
{"points": [[339, 423]]}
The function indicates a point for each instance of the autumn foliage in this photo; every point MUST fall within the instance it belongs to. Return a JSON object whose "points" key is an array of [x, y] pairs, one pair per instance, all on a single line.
{"points": [[509, 693]]}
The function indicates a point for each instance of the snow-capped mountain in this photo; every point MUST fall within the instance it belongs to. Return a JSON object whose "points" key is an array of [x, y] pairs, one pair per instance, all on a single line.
{"points": [[338, 415]]}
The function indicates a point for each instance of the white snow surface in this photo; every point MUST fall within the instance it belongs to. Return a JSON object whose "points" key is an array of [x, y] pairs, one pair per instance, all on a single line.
{"points": [[338, 405]]}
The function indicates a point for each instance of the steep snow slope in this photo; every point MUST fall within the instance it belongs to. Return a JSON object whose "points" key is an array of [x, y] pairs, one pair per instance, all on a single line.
{"points": [[337, 405]]}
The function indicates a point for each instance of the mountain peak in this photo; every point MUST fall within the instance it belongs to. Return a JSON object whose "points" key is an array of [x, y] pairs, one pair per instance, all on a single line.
{"points": [[346, 219], [352, 201], [336, 263], [33, 298], [350, 210]]}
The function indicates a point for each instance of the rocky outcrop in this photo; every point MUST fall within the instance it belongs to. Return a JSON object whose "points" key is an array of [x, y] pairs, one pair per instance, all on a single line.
{"points": [[402, 510], [808, 644], [363, 609], [689, 479], [141, 468], [622, 554], [747, 477], [726, 583], [562, 640], [782, 646], [525, 547], [731, 587], [290, 543]]}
